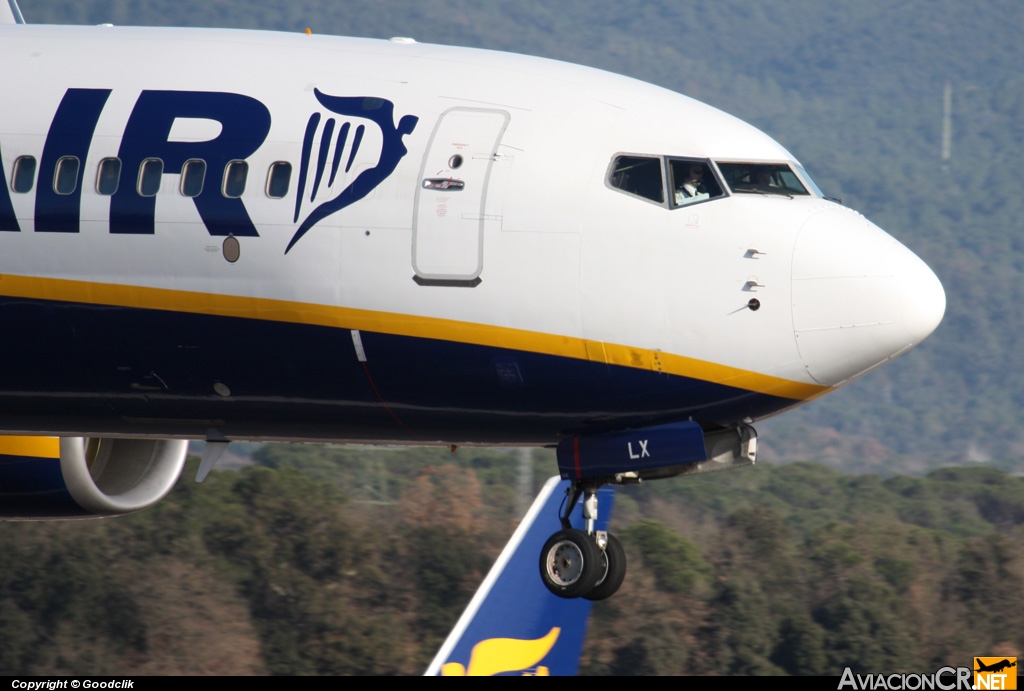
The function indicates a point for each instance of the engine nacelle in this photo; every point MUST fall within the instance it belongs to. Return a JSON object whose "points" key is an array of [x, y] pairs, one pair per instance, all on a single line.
{"points": [[81, 477]]}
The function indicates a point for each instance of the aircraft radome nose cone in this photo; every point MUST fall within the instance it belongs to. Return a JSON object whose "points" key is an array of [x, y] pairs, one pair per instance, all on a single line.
{"points": [[923, 299], [860, 298]]}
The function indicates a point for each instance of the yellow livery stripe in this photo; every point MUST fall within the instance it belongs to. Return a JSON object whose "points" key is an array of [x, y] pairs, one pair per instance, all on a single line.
{"points": [[683, 366], [37, 447], [399, 325]]}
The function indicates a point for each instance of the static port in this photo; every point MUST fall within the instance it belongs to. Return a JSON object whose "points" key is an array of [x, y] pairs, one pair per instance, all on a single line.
{"points": [[754, 304]]}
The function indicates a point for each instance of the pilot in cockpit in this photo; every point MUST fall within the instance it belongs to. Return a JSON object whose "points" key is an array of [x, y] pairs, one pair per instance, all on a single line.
{"points": [[760, 176], [692, 187]]}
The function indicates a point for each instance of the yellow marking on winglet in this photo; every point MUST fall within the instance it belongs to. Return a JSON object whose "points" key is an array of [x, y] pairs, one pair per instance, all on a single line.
{"points": [[453, 669], [400, 325], [39, 447], [497, 655]]}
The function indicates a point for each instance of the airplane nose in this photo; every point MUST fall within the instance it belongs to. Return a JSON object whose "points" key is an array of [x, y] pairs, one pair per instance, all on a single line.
{"points": [[860, 298]]}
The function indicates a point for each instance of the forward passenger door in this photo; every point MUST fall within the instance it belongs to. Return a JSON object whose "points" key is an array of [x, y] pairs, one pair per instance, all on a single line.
{"points": [[448, 223]]}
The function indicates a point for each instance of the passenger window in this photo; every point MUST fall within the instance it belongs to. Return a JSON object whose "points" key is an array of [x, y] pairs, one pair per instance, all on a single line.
{"points": [[65, 175], [234, 179], [762, 178], [193, 173], [639, 175], [692, 181], [278, 178], [24, 175], [108, 176], [151, 174]]}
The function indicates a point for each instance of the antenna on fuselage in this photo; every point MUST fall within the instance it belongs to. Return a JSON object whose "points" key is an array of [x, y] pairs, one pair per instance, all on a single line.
{"points": [[947, 123], [10, 13]]}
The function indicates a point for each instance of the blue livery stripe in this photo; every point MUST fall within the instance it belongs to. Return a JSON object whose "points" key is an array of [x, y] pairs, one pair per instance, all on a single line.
{"points": [[291, 380], [30, 485]]}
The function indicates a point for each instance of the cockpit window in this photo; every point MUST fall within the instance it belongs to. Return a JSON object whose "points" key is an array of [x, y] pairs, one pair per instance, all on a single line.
{"points": [[807, 179], [692, 181], [639, 175], [762, 178]]}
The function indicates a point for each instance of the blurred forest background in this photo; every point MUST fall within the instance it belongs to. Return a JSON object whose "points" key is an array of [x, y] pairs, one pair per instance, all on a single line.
{"points": [[349, 560], [352, 560]]}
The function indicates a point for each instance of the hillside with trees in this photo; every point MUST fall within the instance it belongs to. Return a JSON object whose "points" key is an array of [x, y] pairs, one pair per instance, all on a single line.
{"points": [[855, 91], [301, 566]]}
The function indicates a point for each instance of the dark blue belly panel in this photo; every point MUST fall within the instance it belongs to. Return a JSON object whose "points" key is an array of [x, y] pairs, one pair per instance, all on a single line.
{"points": [[68, 367]]}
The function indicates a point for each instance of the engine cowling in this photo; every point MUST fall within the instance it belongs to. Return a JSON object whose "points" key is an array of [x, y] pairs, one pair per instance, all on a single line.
{"points": [[81, 477]]}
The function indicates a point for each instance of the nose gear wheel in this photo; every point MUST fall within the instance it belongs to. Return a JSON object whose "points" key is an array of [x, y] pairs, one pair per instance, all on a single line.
{"points": [[613, 571], [571, 563]]}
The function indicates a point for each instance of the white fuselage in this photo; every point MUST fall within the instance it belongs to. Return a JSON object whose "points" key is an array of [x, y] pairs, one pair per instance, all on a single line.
{"points": [[538, 255]]}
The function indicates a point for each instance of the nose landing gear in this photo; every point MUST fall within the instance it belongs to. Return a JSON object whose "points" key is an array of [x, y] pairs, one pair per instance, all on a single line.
{"points": [[582, 563], [591, 563]]}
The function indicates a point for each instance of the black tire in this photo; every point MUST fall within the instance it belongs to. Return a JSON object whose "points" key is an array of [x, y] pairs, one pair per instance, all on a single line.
{"points": [[570, 563], [613, 572]]}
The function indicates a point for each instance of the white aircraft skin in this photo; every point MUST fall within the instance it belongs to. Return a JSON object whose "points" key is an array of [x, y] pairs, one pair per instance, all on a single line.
{"points": [[537, 302]]}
